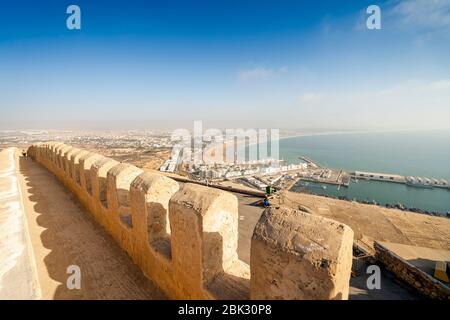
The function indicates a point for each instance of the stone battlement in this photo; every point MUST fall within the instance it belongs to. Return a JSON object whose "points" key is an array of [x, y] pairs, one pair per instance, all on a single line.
{"points": [[185, 237]]}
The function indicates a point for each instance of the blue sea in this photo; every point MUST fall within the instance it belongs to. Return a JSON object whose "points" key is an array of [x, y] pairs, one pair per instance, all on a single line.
{"points": [[421, 153]]}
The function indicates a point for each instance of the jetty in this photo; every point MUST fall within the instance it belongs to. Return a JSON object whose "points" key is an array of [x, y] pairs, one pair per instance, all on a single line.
{"points": [[310, 162], [326, 176], [395, 178]]}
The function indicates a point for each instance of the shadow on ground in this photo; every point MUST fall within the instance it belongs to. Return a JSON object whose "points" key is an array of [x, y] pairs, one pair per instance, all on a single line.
{"points": [[70, 236]]}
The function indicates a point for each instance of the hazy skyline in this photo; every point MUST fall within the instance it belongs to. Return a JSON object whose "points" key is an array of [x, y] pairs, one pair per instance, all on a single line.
{"points": [[289, 65]]}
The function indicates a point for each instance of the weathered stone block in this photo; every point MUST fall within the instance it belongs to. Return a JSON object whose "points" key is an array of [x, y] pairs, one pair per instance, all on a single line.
{"points": [[74, 166], [99, 171], [86, 163], [204, 224], [296, 255], [150, 194], [119, 180], [68, 162]]}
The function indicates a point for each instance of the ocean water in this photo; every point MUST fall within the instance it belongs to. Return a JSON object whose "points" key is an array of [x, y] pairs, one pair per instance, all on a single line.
{"points": [[424, 154]]}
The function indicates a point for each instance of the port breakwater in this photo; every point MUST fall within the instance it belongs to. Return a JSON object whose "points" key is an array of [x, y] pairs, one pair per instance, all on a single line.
{"points": [[394, 178]]}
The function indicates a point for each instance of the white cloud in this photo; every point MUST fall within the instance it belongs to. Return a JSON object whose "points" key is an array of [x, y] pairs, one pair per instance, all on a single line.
{"points": [[261, 73], [409, 104], [427, 15], [258, 73], [442, 84], [309, 98]]}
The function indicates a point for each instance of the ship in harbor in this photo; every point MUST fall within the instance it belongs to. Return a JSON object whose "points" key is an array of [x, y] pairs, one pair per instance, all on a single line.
{"points": [[419, 182]]}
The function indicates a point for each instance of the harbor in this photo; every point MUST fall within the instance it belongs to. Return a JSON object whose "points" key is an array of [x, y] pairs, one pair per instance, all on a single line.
{"points": [[320, 174], [416, 194]]}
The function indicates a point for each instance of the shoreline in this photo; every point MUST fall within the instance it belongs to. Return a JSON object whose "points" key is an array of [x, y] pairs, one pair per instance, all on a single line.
{"points": [[331, 133], [209, 148]]}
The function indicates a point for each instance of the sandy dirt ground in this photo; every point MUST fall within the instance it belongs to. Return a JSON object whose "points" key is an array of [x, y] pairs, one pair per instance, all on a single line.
{"points": [[149, 159], [63, 233], [370, 222]]}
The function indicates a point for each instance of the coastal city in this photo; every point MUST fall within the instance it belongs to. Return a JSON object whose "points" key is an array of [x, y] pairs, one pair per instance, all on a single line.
{"points": [[155, 150]]}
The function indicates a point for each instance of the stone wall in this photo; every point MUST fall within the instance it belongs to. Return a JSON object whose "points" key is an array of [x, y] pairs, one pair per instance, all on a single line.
{"points": [[415, 277], [314, 253], [185, 238]]}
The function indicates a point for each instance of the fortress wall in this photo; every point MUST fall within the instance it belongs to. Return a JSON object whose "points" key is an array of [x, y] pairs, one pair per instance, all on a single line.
{"points": [[185, 238]]}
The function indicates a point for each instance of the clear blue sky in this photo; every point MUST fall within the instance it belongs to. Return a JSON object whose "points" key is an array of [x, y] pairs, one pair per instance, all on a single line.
{"points": [[273, 64]]}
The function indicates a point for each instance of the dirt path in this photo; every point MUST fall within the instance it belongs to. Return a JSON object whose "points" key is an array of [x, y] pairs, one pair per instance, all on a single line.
{"points": [[63, 234]]}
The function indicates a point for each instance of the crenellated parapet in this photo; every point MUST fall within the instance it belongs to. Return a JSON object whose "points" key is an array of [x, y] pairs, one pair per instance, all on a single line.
{"points": [[184, 237]]}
